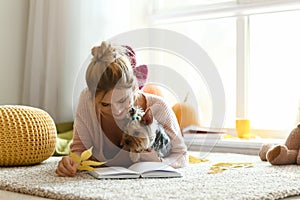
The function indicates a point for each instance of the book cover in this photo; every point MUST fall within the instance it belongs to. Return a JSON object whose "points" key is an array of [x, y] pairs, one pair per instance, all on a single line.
{"points": [[202, 130], [137, 170]]}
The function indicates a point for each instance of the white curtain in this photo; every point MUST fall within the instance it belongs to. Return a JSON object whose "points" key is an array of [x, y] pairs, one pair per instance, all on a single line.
{"points": [[45, 54], [59, 38]]}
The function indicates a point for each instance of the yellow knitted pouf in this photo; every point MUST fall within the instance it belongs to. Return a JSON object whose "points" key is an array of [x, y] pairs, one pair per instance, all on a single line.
{"points": [[27, 135]]}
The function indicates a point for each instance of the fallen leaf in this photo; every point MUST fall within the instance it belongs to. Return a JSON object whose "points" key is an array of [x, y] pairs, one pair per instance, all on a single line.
{"points": [[92, 163], [83, 162], [222, 166], [194, 160], [86, 168], [86, 154], [76, 159]]}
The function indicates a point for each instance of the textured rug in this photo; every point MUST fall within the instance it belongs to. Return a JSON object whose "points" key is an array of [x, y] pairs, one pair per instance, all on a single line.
{"points": [[259, 181]]}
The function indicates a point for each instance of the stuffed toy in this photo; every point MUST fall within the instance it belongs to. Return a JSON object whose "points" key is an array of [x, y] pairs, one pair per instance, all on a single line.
{"points": [[283, 154]]}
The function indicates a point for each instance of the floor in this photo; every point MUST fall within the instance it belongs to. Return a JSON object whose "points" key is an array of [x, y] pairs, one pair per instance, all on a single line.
{"points": [[6, 195]]}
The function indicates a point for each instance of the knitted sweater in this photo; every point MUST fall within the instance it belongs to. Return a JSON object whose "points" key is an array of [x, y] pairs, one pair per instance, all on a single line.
{"points": [[88, 130]]}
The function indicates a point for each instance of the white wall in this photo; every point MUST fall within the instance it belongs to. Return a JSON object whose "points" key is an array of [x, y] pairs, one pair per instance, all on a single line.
{"points": [[13, 29]]}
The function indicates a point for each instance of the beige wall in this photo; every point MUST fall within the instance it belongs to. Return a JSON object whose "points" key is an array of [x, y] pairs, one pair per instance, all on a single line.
{"points": [[13, 23]]}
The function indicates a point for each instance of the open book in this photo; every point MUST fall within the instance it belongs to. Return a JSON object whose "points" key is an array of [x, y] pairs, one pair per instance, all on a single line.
{"points": [[137, 170]]}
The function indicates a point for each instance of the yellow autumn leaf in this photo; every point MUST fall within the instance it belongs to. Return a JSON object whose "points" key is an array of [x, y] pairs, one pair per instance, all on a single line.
{"points": [[83, 162], [76, 159], [194, 160], [92, 163], [216, 171], [237, 166], [86, 154], [85, 167], [222, 166]]}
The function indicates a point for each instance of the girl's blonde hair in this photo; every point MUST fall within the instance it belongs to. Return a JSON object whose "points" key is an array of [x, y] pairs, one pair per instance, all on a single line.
{"points": [[109, 69]]}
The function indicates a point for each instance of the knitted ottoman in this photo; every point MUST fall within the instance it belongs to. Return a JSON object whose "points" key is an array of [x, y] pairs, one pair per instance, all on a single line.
{"points": [[27, 135]]}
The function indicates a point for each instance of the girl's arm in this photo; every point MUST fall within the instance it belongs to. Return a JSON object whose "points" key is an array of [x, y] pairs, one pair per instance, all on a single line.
{"points": [[164, 114], [77, 146]]}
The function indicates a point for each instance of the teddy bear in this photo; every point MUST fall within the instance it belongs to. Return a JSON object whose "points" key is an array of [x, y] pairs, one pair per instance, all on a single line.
{"points": [[283, 154]]}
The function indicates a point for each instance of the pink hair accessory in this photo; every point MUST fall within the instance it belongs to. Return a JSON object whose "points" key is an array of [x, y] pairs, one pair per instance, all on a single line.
{"points": [[141, 71]]}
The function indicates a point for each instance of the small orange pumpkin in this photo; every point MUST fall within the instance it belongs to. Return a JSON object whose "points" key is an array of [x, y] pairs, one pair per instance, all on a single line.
{"points": [[185, 114], [153, 89]]}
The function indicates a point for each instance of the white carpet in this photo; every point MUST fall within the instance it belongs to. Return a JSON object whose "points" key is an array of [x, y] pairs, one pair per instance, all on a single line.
{"points": [[262, 181]]}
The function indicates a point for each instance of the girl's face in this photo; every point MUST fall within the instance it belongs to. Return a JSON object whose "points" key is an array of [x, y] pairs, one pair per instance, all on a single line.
{"points": [[116, 103]]}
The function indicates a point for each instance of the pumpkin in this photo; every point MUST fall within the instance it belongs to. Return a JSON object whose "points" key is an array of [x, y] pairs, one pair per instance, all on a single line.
{"points": [[153, 89], [186, 114]]}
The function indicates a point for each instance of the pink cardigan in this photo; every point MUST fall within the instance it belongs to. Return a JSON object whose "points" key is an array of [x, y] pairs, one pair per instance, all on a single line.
{"points": [[88, 130]]}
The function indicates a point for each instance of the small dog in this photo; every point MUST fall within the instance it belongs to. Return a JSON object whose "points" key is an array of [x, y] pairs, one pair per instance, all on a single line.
{"points": [[144, 133]]}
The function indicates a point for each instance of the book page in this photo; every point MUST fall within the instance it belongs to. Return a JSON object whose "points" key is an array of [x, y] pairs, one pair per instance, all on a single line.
{"points": [[114, 172], [137, 170], [154, 169]]}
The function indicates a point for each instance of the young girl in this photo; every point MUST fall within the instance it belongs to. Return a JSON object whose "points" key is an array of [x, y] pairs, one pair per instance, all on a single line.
{"points": [[103, 105]]}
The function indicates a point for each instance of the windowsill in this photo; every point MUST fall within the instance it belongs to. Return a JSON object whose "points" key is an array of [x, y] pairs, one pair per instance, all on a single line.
{"points": [[229, 145]]}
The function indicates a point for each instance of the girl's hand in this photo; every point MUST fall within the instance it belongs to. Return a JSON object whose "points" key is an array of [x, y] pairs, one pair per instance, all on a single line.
{"points": [[66, 167]]}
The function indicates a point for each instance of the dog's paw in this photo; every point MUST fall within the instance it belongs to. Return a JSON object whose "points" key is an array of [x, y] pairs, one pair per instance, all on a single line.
{"points": [[134, 157]]}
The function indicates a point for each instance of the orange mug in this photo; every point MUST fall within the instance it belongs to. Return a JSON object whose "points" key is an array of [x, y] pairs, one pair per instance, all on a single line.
{"points": [[242, 127]]}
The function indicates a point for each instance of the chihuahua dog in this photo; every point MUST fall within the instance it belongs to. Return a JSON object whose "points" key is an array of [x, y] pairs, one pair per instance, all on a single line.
{"points": [[143, 133]]}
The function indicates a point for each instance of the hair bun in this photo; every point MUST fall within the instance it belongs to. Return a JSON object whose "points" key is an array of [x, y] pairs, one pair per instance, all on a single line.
{"points": [[104, 53]]}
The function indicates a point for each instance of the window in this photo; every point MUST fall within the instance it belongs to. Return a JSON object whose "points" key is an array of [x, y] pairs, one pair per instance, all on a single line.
{"points": [[221, 49], [255, 48], [274, 88]]}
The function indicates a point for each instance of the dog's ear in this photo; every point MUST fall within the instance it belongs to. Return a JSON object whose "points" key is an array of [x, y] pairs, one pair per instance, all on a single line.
{"points": [[147, 118]]}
